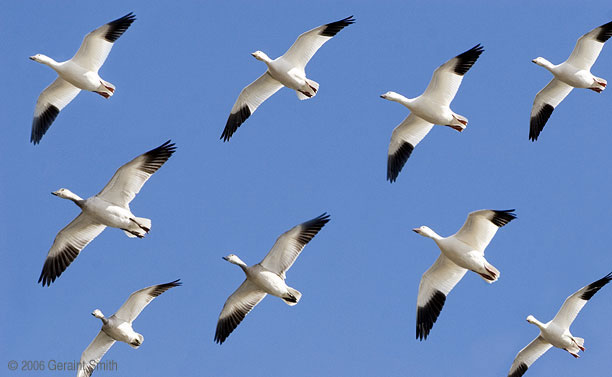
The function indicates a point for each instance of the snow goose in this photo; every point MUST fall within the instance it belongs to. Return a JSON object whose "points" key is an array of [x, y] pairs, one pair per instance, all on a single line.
{"points": [[267, 276], [575, 72], [80, 72], [431, 107], [460, 252], [118, 327], [556, 332], [287, 70], [110, 207]]}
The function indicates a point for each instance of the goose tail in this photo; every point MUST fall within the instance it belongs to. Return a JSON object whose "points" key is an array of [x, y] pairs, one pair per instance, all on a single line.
{"points": [[143, 223], [292, 297], [491, 274]]}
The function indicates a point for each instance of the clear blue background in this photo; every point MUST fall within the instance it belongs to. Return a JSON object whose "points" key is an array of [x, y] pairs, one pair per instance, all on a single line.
{"points": [[179, 69]]}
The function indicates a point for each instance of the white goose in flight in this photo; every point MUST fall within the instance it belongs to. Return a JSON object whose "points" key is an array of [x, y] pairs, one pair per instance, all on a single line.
{"points": [[287, 70], [76, 74], [556, 332], [118, 327], [431, 107], [110, 207], [267, 276], [575, 72], [460, 252]]}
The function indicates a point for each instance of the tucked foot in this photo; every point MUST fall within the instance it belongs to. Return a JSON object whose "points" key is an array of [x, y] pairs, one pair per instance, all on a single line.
{"points": [[139, 235], [313, 88], [141, 226], [578, 345], [103, 94], [574, 354], [487, 277], [306, 93], [290, 298], [598, 90], [110, 88], [458, 128]]}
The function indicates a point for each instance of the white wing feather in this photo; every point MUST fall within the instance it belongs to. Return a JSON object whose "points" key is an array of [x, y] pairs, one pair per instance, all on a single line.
{"points": [[94, 353]]}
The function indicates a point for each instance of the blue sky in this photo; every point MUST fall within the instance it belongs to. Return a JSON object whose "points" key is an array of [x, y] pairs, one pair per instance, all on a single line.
{"points": [[179, 69]]}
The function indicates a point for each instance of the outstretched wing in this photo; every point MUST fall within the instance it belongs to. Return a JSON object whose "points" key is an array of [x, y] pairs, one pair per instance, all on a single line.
{"points": [[447, 78], [574, 303], [248, 101], [589, 46], [290, 244], [435, 285], [50, 102], [94, 353], [237, 306], [480, 227], [403, 140], [67, 245], [97, 45], [139, 300], [544, 104], [528, 356], [129, 179], [307, 44]]}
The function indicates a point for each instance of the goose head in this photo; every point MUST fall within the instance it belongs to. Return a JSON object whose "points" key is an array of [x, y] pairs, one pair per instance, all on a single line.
{"points": [[233, 258], [40, 58], [391, 96], [66, 194], [260, 55], [37, 58], [97, 313], [541, 62], [531, 319], [425, 231]]}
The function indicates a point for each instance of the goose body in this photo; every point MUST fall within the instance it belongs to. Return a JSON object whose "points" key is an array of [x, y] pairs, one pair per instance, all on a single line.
{"points": [[267, 277], [110, 214], [459, 253], [78, 73], [118, 327], [431, 107], [109, 208], [575, 72], [269, 281], [556, 332], [287, 70]]}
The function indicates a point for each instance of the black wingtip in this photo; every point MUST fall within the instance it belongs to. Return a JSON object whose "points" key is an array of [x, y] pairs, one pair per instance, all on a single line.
{"points": [[234, 121], [54, 266], [225, 326], [161, 288], [537, 122], [333, 28], [172, 284], [119, 26], [322, 218], [503, 217], [41, 123], [397, 160], [156, 157], [595, 287], [428, 314], [605, 33], [311, 227], [519, 371], [467, 59]]}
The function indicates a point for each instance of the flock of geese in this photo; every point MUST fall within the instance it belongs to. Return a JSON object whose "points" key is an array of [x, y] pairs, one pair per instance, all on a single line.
{"points": [[459, 253]]}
